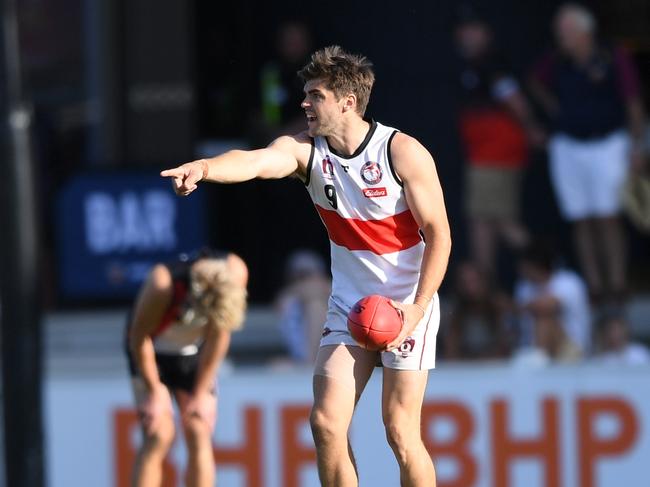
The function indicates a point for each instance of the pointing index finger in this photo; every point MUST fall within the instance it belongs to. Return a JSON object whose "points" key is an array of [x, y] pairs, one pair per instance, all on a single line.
{"points": [[170, 173]]}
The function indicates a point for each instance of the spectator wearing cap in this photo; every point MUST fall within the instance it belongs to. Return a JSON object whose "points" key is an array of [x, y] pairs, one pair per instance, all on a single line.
{"points": [[590, 91]]}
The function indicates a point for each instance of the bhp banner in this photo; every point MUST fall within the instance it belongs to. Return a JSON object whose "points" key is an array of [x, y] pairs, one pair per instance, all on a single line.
{"points": [[490, 427]]}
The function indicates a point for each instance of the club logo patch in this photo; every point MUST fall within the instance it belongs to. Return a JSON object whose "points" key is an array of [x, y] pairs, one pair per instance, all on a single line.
{"points": [[407, 347], [374, 192], [328, 168], [371, 173]]}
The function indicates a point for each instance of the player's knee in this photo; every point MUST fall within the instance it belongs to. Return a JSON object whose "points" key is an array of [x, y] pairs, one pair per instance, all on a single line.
{"points": [[160, 440], [400, 436], [394, 434], [324, 426], [197, 434]]}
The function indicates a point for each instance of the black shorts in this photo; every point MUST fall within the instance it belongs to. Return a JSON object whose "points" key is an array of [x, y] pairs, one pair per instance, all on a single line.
{"points": [[176, 371]]}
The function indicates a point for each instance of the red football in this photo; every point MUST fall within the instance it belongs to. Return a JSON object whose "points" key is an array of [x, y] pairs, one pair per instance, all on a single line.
{"points": [[373, 322]]}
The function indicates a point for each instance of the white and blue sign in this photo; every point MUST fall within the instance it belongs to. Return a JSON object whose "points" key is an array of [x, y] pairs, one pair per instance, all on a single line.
{"points": [[113, 228]]}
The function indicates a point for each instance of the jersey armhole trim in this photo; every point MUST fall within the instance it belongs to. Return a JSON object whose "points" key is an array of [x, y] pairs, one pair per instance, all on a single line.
{"points": [[390, 160], [311, 162]]}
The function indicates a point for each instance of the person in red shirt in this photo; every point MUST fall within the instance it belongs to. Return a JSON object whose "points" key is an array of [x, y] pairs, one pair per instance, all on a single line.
{"points": [[496, 126]]}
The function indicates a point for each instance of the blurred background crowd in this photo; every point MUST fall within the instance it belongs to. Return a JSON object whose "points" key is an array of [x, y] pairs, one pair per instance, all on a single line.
{"points": [[534, 111]]}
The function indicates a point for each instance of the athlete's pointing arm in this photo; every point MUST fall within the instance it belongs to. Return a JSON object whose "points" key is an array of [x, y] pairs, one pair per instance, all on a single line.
{"points": [[285, 156], [415, 166]]}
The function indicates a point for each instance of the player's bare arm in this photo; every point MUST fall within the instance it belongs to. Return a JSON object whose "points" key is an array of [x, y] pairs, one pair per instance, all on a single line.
{"points": [[151, 303], [285, 156], [216, 339], [153, 299], [214, 350], [415, 166], [201, 403]]}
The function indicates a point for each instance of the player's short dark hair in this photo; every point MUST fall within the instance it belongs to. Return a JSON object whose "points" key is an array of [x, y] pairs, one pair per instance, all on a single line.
{"points": [[342, 72]]}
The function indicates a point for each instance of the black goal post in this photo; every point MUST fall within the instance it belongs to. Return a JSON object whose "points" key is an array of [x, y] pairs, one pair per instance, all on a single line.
{"points": [[19, 279]]}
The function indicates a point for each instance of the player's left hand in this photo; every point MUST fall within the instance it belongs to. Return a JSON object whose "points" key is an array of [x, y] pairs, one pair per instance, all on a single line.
{"points": [[411, 316], [203, 405]]}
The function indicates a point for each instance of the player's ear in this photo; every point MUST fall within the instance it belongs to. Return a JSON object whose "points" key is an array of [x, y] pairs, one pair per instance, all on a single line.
{"points": [[349, 102]]}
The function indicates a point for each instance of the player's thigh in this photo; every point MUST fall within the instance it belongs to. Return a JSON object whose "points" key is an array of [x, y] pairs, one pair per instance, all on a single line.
{"points": [[141, 394], [340, 376], [402, 397]]}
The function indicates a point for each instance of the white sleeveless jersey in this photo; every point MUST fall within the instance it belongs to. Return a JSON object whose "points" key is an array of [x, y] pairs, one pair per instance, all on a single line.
{"points": [[184, 336], [376, 246]]}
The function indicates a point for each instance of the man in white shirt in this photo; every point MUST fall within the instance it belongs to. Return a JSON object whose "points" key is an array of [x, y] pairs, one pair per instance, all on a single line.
{"points": [[554, 306]]}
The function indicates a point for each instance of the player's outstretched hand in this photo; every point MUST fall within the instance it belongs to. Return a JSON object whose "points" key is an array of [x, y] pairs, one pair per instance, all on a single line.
{"points": [[185, 177], [411, 316]]}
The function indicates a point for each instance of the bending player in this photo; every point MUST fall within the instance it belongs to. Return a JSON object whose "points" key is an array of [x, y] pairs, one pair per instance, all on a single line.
{"points": [[177, 336], [377, 192]]}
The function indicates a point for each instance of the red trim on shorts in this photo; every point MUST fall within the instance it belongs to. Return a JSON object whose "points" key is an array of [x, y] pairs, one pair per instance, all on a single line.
{"points": [[424, 340], [391, 234]]}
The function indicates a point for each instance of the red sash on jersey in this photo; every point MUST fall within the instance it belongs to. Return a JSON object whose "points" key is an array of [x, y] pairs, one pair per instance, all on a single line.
{"points": [[391, 234], [174, 310]]}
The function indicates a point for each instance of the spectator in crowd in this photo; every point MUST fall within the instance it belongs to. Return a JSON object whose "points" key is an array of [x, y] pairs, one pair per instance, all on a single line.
{"points": [[279, 112], [590, 90], [280, 88], [553, 305], [616, 347], [494, 120], [302, 305], [479, 321]]}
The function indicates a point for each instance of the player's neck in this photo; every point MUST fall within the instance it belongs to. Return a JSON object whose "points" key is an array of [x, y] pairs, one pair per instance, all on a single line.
{"points": [[351, 136]]}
